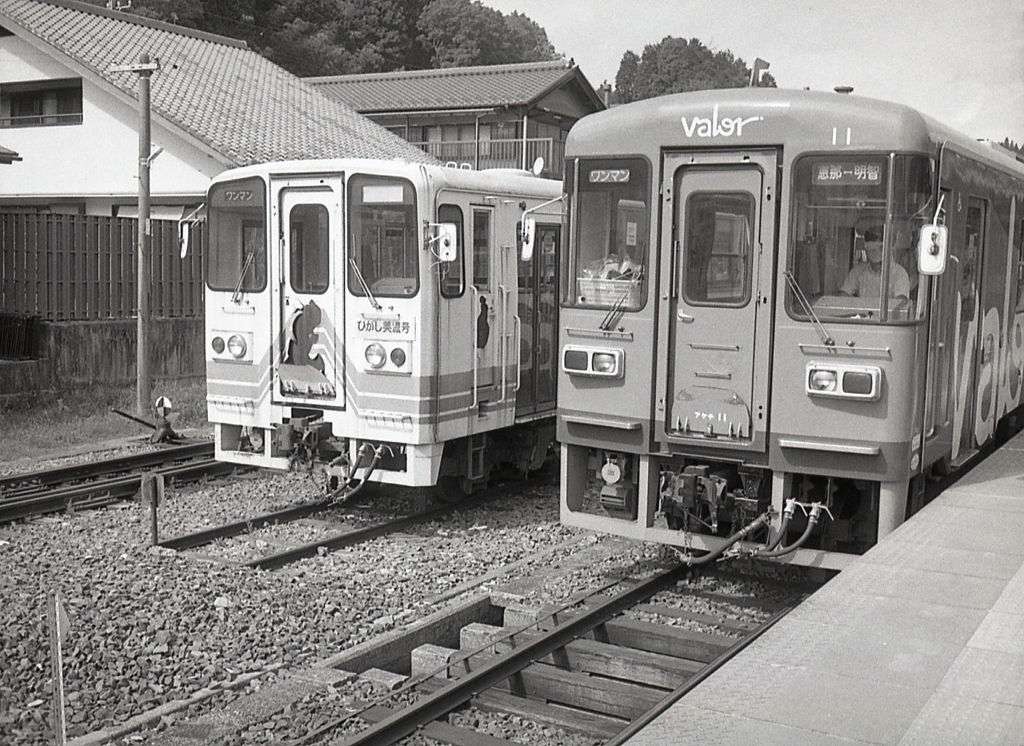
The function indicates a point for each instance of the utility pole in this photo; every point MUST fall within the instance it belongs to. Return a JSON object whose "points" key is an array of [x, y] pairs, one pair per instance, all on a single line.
{"points": [[144, 384]]}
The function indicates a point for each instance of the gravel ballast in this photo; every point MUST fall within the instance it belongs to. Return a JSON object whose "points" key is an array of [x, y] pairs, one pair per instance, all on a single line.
{"points": [[150, 626], [157, 637]]}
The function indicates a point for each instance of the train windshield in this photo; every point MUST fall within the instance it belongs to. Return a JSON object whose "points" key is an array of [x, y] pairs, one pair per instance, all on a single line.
{"points": [[852, 255], [383, 245], [609, 261], [236, 259]]}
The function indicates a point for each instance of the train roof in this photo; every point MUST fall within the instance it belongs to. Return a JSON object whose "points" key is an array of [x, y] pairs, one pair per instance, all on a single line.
{"points": [[506, 179], [751, 117]]}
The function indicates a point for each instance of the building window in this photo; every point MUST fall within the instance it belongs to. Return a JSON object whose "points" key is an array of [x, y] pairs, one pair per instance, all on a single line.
{"points": [[41, 103]]}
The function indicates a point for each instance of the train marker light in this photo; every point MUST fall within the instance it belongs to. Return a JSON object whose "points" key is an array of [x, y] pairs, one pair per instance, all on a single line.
{"points": [[237, 346], [575, 360], [398, 357], [375, 355], [218, 345]]}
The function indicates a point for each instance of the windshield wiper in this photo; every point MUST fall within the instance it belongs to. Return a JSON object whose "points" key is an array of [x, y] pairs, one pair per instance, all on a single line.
{"points": [[806, 305], [362, 282], [237, 295]]}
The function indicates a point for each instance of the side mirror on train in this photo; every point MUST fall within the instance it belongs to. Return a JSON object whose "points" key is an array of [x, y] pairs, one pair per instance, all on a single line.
{"points": [[184, 237], [446, 240], [932, 245], [529, 234]]}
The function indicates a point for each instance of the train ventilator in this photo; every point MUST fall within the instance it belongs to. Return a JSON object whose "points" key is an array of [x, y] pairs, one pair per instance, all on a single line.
{"points": [[380, 320], [782, 312]]}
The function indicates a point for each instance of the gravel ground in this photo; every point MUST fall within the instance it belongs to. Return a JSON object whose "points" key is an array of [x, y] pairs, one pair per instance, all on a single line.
{"points": [[149, 626]]}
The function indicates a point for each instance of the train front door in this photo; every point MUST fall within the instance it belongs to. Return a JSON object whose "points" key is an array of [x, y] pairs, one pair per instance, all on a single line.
{"points": [[538, 314], [308, 309], [720, 245]]}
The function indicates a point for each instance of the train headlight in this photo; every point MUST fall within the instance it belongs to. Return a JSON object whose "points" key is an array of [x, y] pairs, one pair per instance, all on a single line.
{"points": [[237, 346], [398, 357], [591, 361], [375, 355], [605, 363], [822, 381], [844, 381], [218, 345]]}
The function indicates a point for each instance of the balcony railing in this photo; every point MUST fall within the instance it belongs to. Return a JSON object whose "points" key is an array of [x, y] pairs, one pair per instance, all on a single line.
{"points": [[481, 154]]}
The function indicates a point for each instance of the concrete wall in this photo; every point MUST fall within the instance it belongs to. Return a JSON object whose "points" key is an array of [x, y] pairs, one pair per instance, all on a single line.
{"points": [[74, 354]]}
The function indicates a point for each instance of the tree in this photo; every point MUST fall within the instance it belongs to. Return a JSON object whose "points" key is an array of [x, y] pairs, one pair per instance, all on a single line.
{"points": [[1011, 145], [465, 32], [625, 79], [528, 42], [328, 37], [676, 65]]}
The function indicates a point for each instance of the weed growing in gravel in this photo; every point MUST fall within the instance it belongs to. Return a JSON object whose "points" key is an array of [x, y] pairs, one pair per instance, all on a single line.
{"points": [[53, 422]]}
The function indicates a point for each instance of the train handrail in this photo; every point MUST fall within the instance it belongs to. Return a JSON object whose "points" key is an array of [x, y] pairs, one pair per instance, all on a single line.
{"points": [[503, 357], [476, 336], [519, 351]]}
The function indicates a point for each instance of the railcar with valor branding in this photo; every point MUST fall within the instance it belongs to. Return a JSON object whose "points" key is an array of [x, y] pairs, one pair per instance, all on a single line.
{"points": [[378, 319], [775, 302]]}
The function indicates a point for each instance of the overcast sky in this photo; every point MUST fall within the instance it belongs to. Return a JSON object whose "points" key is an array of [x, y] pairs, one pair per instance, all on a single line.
{"points": [[959, 61]]}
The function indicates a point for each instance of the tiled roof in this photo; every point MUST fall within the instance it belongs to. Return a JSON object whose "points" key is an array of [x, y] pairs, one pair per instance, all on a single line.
{"points": [[452, 87], [239, 104]]}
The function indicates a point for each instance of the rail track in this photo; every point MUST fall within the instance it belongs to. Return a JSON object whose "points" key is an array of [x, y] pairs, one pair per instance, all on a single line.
{"points": [[101, 482], [331, 540], [589, 666]]}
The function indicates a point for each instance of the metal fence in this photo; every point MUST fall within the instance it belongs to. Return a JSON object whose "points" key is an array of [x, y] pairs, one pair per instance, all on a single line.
{"points": [[481, 154], [82, 267]]}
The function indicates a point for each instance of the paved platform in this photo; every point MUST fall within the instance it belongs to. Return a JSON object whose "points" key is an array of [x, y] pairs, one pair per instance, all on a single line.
{"points": [[918, 642]]}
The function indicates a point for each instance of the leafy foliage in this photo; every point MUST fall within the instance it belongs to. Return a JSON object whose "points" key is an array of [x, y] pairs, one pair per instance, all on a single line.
{"points": [[676, 65], [332, 37], [465, 32]]}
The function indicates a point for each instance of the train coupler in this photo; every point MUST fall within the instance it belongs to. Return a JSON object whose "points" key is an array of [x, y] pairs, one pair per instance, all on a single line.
{"points": [[696, 493]]}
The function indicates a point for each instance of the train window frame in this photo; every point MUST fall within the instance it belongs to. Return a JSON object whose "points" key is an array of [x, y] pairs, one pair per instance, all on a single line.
{"points": [[382, 284], [606, 293], [862, 213], [687, 251], [482, 247], [306, 276], [228, 198], [446, 276]]}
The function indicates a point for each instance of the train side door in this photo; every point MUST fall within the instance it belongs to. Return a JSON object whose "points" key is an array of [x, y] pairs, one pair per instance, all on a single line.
{"points": [[968, 350], [309, 351], [538, 306], [455, 350], [487, 309], [941, 341], [723, 219]]}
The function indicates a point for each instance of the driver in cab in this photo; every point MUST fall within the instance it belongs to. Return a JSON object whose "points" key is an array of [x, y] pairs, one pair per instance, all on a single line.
{"points": [[865, 279]]}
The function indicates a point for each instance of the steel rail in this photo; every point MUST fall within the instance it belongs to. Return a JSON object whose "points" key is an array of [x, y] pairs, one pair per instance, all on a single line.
{"points": [[60, 474], [102, 492], [359, 535], [444, 700], [638, 724], [190, 541]]}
